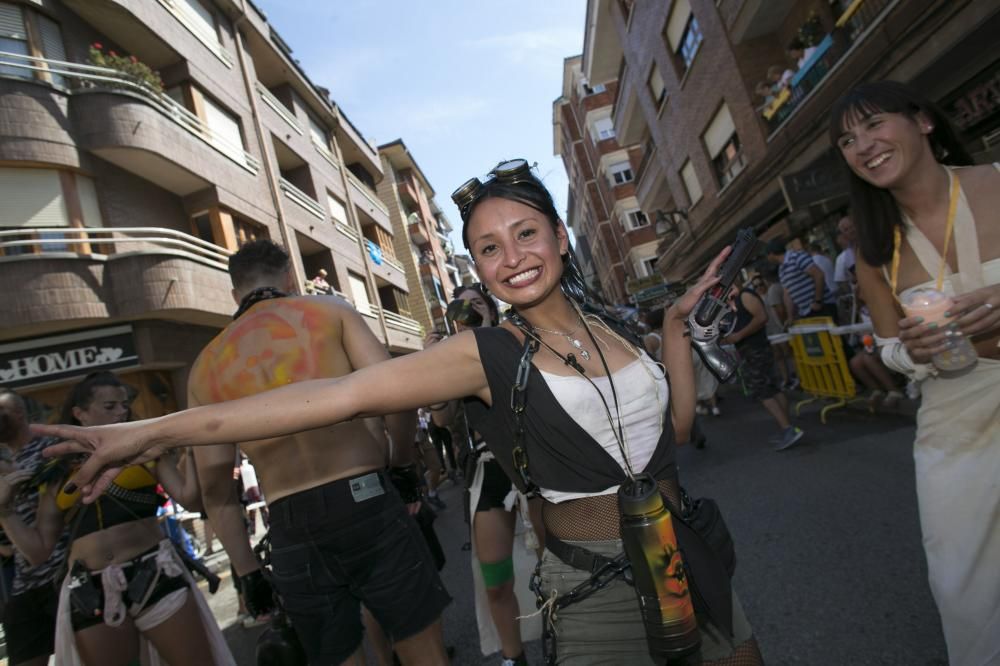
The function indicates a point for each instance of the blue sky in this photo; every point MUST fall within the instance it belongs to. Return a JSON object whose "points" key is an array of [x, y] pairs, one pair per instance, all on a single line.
{"points": [[464, 84]]}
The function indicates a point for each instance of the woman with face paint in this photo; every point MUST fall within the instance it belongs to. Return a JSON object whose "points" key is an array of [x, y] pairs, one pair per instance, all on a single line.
{"points": [[568, 402], [927, 221]]}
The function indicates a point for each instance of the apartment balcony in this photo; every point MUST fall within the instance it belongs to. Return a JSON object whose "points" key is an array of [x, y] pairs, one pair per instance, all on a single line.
{"points": [[301, 199], [417, 229], [123, 120], [288, 119], [68, 277], [851, 30], [385, 268], [405, 334], [368, 202]]}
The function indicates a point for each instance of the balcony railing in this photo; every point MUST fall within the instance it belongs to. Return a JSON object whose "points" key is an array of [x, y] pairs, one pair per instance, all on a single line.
{"points": [[401, 323], [850, 29], [302, 199], [363, 189], [310, 288], [112, 240], [346, 230], [79, 78], [278, 107], [187, 17]]}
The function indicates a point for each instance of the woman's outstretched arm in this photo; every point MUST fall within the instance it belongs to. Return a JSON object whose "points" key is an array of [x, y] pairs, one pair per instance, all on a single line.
{"points": [[446, 371]]}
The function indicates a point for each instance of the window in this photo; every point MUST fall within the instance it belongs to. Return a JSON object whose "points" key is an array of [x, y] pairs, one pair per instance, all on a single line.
{"points": [[13, 39], [359, 291], [691, 183], [723, 145], [647, 267], [16, 36], [248, 231], [225, 129], [621, 173], [337, 211], [683, 33], [604, 128], [318, 134], [635, 219], [32, 198], [655, 84]]}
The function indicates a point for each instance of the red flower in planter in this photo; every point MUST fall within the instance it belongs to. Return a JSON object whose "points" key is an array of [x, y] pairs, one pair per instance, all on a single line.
{"points": [[97, 45], [133, 59], [112, 54]]}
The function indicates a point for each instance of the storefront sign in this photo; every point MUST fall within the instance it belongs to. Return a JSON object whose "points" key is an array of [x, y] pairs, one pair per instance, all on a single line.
{"points": [[652, 293], [66, 356], [977, 101], [821, 181]]}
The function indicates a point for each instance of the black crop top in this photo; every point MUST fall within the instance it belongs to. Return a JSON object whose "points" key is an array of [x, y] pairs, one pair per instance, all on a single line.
{"points": [[562, 456], [117, 506]]}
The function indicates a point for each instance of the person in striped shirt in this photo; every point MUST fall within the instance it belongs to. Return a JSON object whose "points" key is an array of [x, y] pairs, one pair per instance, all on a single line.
{"points": [[803, 280]]}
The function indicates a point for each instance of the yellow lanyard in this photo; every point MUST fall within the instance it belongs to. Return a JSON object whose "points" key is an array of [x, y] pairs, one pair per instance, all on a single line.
{"points": [[949, 229]]}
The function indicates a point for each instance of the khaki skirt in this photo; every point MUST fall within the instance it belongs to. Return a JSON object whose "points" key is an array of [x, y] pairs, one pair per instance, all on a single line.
{"points": [[606, 627]]}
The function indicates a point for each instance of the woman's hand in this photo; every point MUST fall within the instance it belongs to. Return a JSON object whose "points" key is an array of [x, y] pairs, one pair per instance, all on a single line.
{"points": [[683, 306], [922, 340], [978, 311], [110, 448], [8, 489]]}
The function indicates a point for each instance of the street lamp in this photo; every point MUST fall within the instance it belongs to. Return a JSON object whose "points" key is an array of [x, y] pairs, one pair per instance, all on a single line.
{"points": [[667, 221]]}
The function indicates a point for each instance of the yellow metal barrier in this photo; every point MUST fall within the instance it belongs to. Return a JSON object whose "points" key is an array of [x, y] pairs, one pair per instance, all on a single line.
{"points": [[821, 364]]}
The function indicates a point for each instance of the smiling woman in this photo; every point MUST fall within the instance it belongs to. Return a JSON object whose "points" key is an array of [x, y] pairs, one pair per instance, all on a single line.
{"points": [[568, 402], [908, 200]]}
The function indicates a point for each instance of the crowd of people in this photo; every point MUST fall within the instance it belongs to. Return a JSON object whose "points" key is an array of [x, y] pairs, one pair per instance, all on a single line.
{"points": [[555, 415]]}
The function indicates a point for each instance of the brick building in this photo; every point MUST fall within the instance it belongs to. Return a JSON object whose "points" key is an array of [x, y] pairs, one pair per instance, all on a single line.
{"points": [[716, 156], [123, 201], [421, 234], [615, 238]]}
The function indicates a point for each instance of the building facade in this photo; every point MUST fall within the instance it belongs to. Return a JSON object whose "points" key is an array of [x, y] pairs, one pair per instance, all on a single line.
{"points": [[143, 143], [614, 235], [421, 235], [720, 153]]}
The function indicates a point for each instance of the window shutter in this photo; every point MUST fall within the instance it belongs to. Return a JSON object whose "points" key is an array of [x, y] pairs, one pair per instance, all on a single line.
{"points": [[318, 134], [691, 182], [88, 202], [225, 129], [201, 17], [656, 86], [678, 21], [52, 42], [337, 210], [32, 198], [12, 22], [360, 293], [719, 131]]}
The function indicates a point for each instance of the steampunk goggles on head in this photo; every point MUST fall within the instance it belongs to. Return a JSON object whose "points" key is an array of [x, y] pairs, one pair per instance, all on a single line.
{"points": [[509, 171]]}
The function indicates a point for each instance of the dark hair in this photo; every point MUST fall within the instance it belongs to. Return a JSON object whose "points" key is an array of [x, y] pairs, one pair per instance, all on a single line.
{"points": [[533, 193], [874, 210], [82, 394], [481, 290], [257, 259], [654, 319]]}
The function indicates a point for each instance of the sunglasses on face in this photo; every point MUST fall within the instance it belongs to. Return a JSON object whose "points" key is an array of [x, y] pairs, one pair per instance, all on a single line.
{"points": [[510, 172]]}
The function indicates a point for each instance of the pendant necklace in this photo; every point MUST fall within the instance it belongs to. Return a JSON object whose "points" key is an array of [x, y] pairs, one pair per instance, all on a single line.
{"points": [[575, 342]]}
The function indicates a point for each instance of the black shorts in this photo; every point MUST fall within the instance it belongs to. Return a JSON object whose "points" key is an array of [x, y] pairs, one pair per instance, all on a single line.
{"points": [[29, 623], [757, 371], [496, 486], [345, 543]]}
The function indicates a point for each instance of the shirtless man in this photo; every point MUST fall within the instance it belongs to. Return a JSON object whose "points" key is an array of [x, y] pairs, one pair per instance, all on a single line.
{"points": [[340, 533]]}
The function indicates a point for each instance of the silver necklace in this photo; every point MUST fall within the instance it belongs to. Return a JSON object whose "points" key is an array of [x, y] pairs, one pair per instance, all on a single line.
{"points": [[575, 342]]}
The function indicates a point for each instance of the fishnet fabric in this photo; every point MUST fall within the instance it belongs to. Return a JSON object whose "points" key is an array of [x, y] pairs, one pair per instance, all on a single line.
{"points": [[747, 653], [594, 518]]}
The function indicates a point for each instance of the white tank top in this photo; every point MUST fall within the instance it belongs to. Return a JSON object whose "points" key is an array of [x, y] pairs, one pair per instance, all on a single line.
{"points": [[643, 396]]}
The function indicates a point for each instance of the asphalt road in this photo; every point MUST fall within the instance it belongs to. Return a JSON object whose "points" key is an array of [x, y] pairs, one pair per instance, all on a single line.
{"points": [[831, 569]]}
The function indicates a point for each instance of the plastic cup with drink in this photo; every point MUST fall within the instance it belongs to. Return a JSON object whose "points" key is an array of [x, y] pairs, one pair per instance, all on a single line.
{"points": [[931, 305]]}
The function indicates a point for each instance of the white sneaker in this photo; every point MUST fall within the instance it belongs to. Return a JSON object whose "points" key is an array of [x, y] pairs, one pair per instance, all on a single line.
{"points": [[700, 410], [716, 411], [892, 399]]}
